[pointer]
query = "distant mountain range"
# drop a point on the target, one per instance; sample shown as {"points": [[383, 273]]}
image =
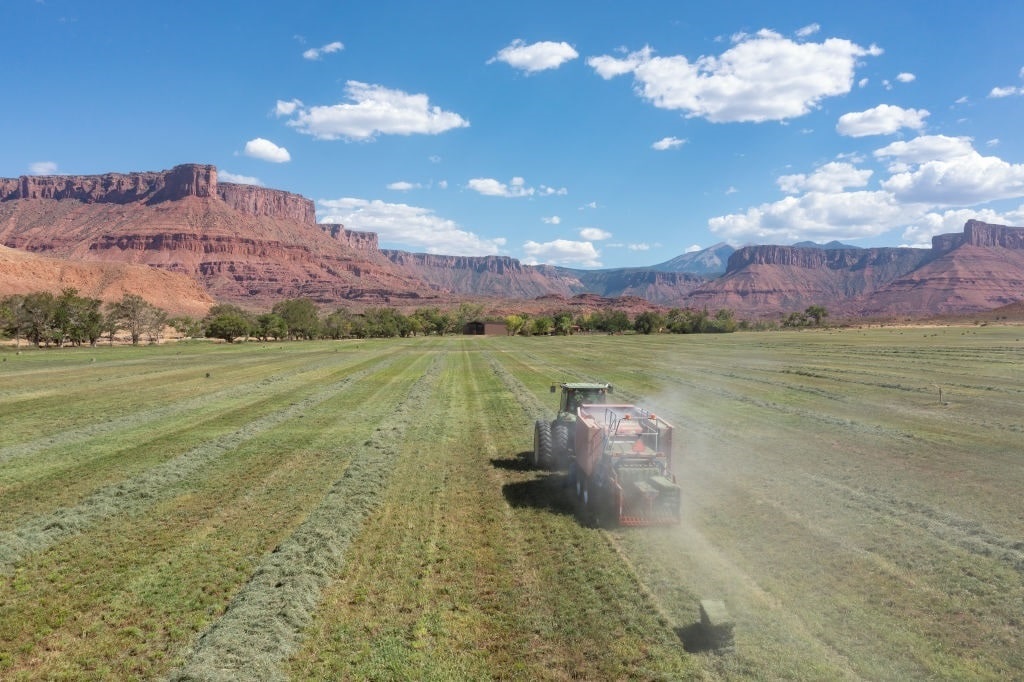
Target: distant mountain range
{"points": [[254, 246]]}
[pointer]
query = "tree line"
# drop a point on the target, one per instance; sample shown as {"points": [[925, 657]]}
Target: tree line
{"points": [[67, 318]]}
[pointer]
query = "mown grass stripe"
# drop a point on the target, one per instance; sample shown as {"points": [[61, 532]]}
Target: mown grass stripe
{"points": [[43, 531], [264, 623], [79, 433]]}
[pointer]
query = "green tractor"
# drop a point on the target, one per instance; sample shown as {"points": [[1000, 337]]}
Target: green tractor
{"points": [[553, 442]]}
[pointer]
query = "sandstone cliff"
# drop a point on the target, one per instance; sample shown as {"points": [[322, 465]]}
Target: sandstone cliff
{"points": [[246, 244]]}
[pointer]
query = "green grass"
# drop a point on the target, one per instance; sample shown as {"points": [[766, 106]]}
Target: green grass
{"points": [[362, 510]]}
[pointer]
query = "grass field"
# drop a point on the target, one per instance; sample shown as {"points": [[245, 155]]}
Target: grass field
{"points": [[364, 510]]}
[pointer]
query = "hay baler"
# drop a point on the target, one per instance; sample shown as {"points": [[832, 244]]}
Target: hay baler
{"points": [[622, 469]]}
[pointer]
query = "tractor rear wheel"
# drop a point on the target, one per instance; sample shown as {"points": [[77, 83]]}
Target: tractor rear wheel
{"points": [[541, 444], [560, 441]]}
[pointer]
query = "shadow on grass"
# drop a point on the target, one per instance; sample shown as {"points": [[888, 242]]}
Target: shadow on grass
{"points": [[518, 462], [548, 490], [694, 639]]}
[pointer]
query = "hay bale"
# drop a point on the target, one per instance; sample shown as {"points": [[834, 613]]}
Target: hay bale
{"points": [[717, 624]]}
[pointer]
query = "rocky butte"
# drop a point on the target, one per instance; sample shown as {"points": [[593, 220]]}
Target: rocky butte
{"points": [[246, 244]]}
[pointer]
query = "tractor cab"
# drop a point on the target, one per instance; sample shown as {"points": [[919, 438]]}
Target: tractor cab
{"points": [[574, 395]]}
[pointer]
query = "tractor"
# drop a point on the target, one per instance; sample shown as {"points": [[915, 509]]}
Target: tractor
{"points": [[618, 457], [553, 441]]}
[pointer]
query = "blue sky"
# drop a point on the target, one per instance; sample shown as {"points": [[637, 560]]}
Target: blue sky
{"points": [[585, 134]]}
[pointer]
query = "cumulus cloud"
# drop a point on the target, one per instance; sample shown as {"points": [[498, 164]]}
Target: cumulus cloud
{"points": [[403, 186], [265, 150], [515, 188], [228, 176], [920, 233], [831, 177], [906, 77], [668, 143], [552, 220], [884, 119], [42, 167], [315, 53], [409, 226], [287, 108], [374, 110], [1008, 91], [594, 234], [693, 248], [535, 56], [763, 77], [562, 252], [933, 182]]}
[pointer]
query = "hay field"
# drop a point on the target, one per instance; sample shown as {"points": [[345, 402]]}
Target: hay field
{"points": [[363, 510]]}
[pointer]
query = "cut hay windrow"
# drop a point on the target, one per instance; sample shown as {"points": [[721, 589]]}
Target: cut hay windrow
{"points": [[80, 433], [264, 623], [40, 532]]}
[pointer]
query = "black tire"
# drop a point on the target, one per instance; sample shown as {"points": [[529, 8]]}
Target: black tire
{"points": [[541, 444], [560, 441]]}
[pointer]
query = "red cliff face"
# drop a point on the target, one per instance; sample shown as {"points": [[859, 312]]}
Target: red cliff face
{"points": [[358, 241], [260, 201], [194, 180], [187, 180]]}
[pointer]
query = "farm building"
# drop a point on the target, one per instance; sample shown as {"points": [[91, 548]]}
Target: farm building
{"points": [[485, 329]]}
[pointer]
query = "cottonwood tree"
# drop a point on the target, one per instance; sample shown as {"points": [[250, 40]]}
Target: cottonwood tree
{"points": [[227, 322], [301, 317], [12, 317], [136, 316]]}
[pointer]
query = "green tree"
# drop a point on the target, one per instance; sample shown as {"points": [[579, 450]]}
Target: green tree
{"points": [[466, 313], [270, 326], [301, 316], [816, 314], [648, 322], [77, 319], [186, 325], [136, 316], [514, 324], [722, 322], [563, 323], [13, 319], [339, 324], [38, 312], [227, 322], [542, 325]]}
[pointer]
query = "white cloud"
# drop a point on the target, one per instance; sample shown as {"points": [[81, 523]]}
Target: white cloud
{"points": [[552, 220], [515, 188], [287, 108], [535, 56], [763, 77], [994, 142], [315, 53], [42, 167], [410, 226], [265, 150], [962, 181], [863, 83], [831, 177], [884, 119], [592, 204], [403, 186], [1009, 91], [442, 184], [693, 248], [731, 190], [594, 234], [817, 216], [929, 175], [668, 143], [639, 247], [927, 148], [374, 110], [906, 77], [562, 252], [920, 233], [228, 176], [808, 30]]}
